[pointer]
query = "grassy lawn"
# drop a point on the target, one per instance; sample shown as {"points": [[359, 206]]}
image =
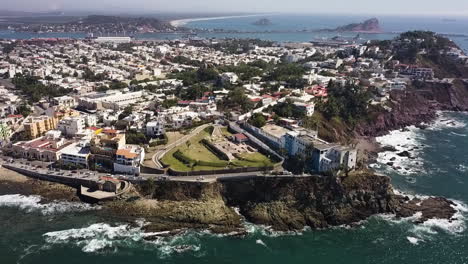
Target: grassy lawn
{"points": [[225, 132], [197, 151], [173, 136], [253, 160]]}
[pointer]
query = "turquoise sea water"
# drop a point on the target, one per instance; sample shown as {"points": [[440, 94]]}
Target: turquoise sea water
{"points": [[58, 233]]}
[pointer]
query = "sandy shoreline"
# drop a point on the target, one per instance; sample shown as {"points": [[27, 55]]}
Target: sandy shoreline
{"points": [[182, 22]]}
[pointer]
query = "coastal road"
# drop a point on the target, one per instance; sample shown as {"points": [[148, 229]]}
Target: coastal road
{"points": [[159, 154], [38, 167], [221, 177]]}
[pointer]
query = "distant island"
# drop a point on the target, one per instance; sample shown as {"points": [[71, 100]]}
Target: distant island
{"points": [[369, 26], [449, 20], [262, 22]]}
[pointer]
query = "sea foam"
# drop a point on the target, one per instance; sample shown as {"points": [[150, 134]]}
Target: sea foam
{"points": [[103, 237], [33, 203], [425, 231], [409, 140], [413, 240], [444, 121]]}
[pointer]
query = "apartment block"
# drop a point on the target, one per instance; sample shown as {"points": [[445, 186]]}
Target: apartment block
{"points": [[38, 126]]}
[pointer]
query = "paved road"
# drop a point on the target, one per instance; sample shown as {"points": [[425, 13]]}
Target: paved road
{"points": [[159, 154]]}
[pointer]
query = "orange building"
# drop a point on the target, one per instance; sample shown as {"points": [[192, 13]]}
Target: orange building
{"points": [[38, 126]]}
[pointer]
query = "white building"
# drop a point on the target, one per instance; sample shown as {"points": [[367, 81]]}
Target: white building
{"points": [[308, 108], [113, 39], [71, 126], [114, 100], [76, 154], [90, 120], [129, 159], [229, 77], [155, 128], [65, 101], [323, 156]]}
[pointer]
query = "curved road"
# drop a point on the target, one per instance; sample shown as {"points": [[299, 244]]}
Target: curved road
{"points": [[159, 154]]}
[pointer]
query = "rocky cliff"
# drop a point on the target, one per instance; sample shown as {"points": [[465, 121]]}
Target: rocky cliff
{"points": [[288, 203], [318, 202], [282, 203], [416, 106]]}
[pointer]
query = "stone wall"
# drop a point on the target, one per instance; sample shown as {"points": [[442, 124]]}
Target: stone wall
{"points": [[73, 182]]}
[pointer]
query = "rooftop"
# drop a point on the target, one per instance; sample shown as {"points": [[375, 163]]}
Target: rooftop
{"points": [[275, 130], [76, 149]]}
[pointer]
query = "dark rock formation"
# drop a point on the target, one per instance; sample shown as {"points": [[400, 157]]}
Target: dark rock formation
{"points": [[262, 22], [177, 205], [369, 26], [389, 148], [431, 208], [318, 202], [285, 203], [417, 106], [405, 154]]}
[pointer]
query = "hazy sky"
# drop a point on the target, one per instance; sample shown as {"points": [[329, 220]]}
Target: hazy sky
{"points": [[457, 7]]}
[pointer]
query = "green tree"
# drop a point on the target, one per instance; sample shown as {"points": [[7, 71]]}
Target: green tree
{"points": [[257, 120], [126, 112]]}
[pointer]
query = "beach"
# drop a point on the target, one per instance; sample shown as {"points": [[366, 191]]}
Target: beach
{"points": [[183, 22]]}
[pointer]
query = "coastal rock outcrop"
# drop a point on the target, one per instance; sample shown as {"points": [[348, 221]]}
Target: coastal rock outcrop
{"points": [[262, 22], [416, 106], [369, 26], [430, 208], [318, 202], [284, 203]]}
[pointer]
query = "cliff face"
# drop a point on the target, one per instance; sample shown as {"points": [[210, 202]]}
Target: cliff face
{"points": [[283, 203], [174, 205], [416, 106], [318, 202]]}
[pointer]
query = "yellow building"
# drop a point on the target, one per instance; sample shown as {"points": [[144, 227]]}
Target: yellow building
{"points": [[38, 126]]}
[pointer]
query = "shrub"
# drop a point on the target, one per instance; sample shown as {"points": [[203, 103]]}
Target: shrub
{"points": [[221, 155], [184, 159]]}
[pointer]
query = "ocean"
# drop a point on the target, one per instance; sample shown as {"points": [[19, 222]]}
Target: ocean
{"points": [[33, 232], [455, 27]]}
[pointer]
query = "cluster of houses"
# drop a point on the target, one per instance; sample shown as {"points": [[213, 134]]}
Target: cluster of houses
{"points": [[86, 128], [70, 138]]}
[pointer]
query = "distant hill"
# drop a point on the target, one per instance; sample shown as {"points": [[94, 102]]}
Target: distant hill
{"points": [[101, 19], [10, 13], [369, 26], [100, 24], [262, 22]]}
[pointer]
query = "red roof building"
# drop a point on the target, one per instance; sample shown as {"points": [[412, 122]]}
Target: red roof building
{"points": [[240, 138]]}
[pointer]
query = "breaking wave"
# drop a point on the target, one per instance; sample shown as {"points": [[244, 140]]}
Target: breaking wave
{"points": [[403, 141], [425, 231], [102, 237], [444, 121], [33, 204]]}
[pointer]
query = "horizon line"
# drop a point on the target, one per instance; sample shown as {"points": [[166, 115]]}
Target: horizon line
{"points": [[178, 12]]}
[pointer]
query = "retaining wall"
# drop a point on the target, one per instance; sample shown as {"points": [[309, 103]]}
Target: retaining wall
{"points": [[73, 182]]}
